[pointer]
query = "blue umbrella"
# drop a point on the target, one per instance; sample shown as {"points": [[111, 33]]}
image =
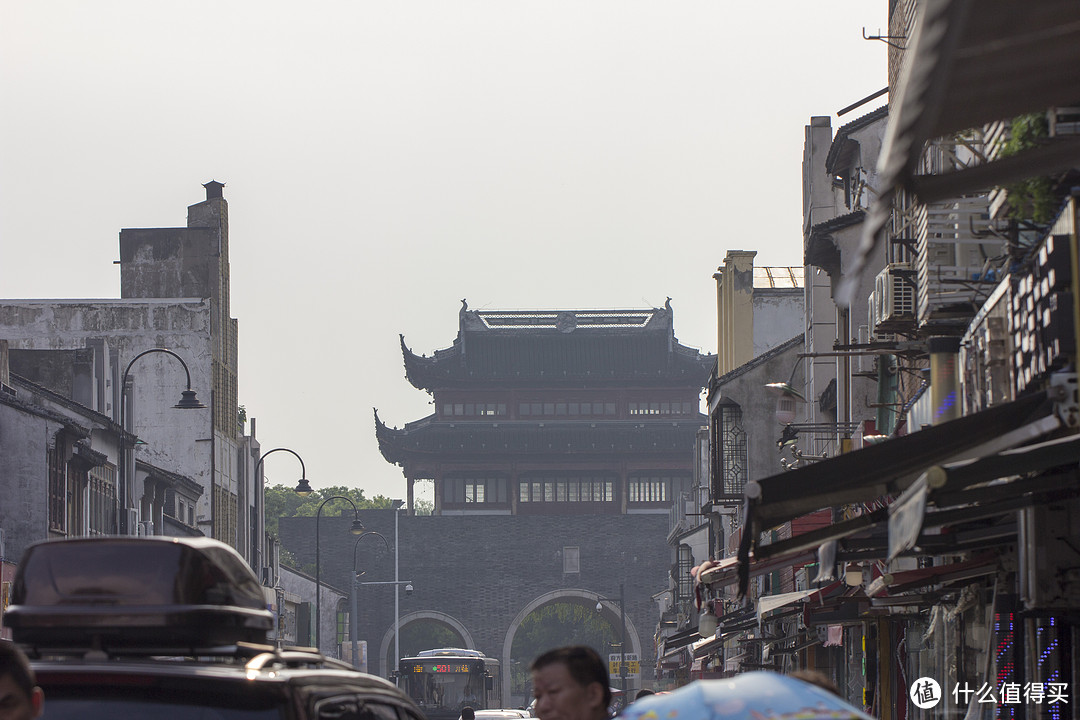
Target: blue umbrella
{"points": [[749, 696]]}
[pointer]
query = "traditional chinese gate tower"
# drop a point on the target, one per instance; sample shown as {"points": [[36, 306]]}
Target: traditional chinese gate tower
{"points": [[554, 412]]}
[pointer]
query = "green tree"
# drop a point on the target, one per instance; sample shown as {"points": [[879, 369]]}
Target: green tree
{"points": [[553, 626], [1031, 198], [282, 501]]}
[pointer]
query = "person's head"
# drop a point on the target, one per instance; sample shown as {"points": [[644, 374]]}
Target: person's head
{"points": [[571, 683], [20, 698], [642, 693], [467, 713], [816, 677]]}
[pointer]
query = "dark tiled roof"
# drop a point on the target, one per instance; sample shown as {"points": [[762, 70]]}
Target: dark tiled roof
{"points": [[840, 141], [429, 437], [820, 250], [716, 382], [573, 347]]}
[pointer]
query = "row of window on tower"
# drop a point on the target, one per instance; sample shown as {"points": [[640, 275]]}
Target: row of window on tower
{"points": [[567, 409], [582, 489]]}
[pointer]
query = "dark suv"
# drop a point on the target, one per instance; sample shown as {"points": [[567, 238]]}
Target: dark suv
{"points": [[164, 628]]}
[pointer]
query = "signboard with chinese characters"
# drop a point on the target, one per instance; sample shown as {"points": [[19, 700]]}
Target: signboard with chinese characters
{"points": [[633, 665]]}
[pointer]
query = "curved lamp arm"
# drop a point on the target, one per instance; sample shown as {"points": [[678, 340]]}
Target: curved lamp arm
{"points": [[356, 529], [303, 488], [357, 544], [188, 401]]}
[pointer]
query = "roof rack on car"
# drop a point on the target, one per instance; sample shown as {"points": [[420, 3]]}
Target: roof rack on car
{"points": [[136, 596]]}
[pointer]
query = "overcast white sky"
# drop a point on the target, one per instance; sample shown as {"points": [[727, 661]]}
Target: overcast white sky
{"points": [[384, 160]]}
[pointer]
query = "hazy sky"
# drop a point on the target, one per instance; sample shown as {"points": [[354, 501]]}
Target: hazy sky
{"points": [[384, 160]]}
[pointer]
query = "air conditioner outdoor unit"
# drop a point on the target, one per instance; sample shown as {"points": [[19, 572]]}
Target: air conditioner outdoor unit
{"points": [[895, 293]]}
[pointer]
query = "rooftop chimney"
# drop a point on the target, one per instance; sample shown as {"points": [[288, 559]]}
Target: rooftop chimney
{"points": [[213, 189]]}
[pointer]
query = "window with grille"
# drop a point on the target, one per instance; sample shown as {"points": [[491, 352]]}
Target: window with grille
{"points": [[566, 489], [685, 579], [475, 490], [649, 488], [727, 450], [101, 499], [57, 490]]}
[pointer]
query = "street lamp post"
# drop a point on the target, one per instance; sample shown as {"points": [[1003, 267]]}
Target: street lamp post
{"points": [[397, 584], [622, 641], [352, 591], [356, 529], [303, 489], [188, 401]]}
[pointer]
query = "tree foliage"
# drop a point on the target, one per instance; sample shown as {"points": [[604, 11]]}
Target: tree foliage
{"points": [[282, 501], [1031, 198], [556, 625]]}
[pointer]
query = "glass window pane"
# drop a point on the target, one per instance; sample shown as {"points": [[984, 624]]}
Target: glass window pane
{"points": [[560, 408], [573, 408], [537, 491], [523, 408], [609, 408], [523, 492], [549, 408]]}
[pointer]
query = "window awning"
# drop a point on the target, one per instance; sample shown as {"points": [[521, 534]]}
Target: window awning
{"points": [[967, 64]]}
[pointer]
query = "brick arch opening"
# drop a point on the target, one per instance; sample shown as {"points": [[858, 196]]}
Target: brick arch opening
{"points": [[388, 637], [609, 611]]}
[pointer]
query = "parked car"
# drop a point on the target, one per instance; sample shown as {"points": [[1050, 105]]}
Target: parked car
{"points": [[167, 628]]}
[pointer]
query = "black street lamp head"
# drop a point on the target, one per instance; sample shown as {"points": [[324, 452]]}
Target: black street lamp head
{"points": [[303, 488], [188, 401], [357, 527]]}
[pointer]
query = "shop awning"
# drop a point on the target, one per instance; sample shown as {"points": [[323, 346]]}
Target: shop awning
{"points": [[886, 469], [681, 639], [970, 63], [706, 647], [769, 603], [905, 580], [955, 485], [889, 467], [731, 570]]}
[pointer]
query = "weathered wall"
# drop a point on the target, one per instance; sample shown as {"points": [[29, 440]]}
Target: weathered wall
{"points": [[180, 443], [483, 571], [778, 317], [24, 481]]}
